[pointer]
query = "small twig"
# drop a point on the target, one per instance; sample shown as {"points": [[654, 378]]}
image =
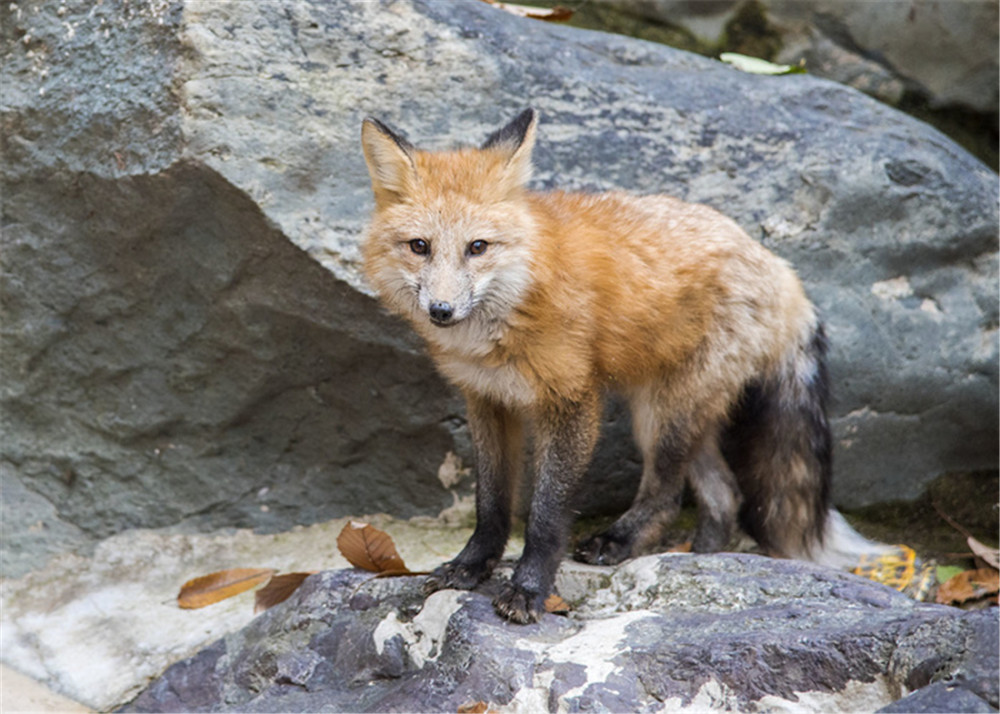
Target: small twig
{"points": [[950, 521]]}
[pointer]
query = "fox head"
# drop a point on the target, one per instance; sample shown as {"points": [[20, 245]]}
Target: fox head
{"points": [[449, 240]]}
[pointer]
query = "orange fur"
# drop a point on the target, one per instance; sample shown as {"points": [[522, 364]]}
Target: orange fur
{"points": [[621, 290]]}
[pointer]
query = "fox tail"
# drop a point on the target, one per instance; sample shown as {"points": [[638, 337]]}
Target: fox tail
{"points": [[779, 447]]}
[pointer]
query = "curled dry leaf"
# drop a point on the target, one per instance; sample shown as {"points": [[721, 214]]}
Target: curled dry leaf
{"points": [[556, 605], [990, 556], [368, 548], [479, 707], [755, 65], [551, 14], [212, 588], [278, 589], [969, 585]]}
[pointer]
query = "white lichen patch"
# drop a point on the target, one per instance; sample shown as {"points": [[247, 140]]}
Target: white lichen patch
{"points": [[894, 289], [451, 471], [594, 648], [422, 636], [855, 697]]}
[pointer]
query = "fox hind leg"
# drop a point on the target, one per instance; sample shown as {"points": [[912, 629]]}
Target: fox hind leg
{"points": [[667, 448], [718, 498]]}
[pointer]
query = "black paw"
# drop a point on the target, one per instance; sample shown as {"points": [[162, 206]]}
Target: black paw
{"points": [[519, 605], [603, 549], [712, 536], [458, 576]]}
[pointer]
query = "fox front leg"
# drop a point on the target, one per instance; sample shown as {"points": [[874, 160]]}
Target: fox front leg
{"points": [[497, 439], [566, 435]]}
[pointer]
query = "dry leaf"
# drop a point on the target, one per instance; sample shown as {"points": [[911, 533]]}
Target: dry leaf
{"points": [[368, 548], [212, 588], [553, 14], [681, 548], [969, 585], [990, 556], [556, 605], [278, 589], [401, 573], [479, 707]]}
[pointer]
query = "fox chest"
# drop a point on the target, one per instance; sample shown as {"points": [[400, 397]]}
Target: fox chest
{"points": [[503, 382]]}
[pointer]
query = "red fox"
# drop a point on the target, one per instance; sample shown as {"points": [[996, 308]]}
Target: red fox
{"points": [[536, 304]]}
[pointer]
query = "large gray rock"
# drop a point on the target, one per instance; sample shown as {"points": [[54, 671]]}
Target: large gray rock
{"points": [[187, 339], [726, 632], [946, 52]]}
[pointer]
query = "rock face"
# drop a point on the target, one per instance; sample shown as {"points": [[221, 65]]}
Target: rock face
{"points": [[186, 336], [657, 633], [946, 52]]}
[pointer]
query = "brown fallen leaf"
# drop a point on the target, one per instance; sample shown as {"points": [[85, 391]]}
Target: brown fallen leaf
{"points": [[212, 588], [556, 605], [479, 707], [278, 589], [990, 556], [681, 548], [969, 585], [401, 573], [553, 14], [368, 548]]}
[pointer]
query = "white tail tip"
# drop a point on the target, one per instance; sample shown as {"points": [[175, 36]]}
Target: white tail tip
{"points": [[843, 547]]}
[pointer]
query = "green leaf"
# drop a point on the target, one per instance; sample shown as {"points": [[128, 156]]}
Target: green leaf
{"points": [[754, 65], [947, 572]]}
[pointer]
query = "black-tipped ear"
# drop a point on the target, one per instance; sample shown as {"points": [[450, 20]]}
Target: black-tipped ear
{"points": [[393, 134], [515, 141], [390, 161], [513, 134]]}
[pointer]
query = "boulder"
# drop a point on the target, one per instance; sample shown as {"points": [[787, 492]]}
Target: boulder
{"points": [[668, 632], [187, 339], [945, 52]]}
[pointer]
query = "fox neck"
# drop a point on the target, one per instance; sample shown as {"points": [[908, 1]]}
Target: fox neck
{"points": [[475, 337]]}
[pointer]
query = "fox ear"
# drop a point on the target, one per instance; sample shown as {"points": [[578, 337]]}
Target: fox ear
{"points": [[515, 141], [390, 161]]}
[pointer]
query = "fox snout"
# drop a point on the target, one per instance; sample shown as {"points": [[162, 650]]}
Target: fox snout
{"points": [[443, 307], [445, 295], [441, 313]]}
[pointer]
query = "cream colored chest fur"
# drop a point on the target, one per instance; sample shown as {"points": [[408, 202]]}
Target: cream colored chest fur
{"points": [[504, 383]]}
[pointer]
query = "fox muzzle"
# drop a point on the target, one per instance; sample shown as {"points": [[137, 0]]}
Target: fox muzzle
{"points": [[441, 313]]}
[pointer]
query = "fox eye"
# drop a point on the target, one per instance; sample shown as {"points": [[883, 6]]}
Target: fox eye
{"points": [[420, 246], [477, 247]]}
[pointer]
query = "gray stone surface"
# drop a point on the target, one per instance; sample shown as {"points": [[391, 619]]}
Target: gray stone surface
{"points": [[98, 629], [186, 337], [669, 633], [938, 697], [945, 51]]}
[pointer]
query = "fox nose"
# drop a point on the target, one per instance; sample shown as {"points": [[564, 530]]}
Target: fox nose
{"points": [[441, 311]]}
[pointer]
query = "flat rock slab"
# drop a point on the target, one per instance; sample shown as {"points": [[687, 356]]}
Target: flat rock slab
{"points": [[99, 629], [664, 632]]}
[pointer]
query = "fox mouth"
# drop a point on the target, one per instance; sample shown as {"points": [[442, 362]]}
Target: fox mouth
{"points": [[451, 322]]}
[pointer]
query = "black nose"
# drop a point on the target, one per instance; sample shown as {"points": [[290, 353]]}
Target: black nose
{"points": [[441, 311]]}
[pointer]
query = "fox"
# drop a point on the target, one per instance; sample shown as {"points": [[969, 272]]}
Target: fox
{"points": [[537, 305]]}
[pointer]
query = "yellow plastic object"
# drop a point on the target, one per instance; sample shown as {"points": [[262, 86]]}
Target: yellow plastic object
{"points": [[900, 569]]}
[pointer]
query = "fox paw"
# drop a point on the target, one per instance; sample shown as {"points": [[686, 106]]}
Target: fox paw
{"points": [[603, 549], [458, 576], [519, 605]]}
